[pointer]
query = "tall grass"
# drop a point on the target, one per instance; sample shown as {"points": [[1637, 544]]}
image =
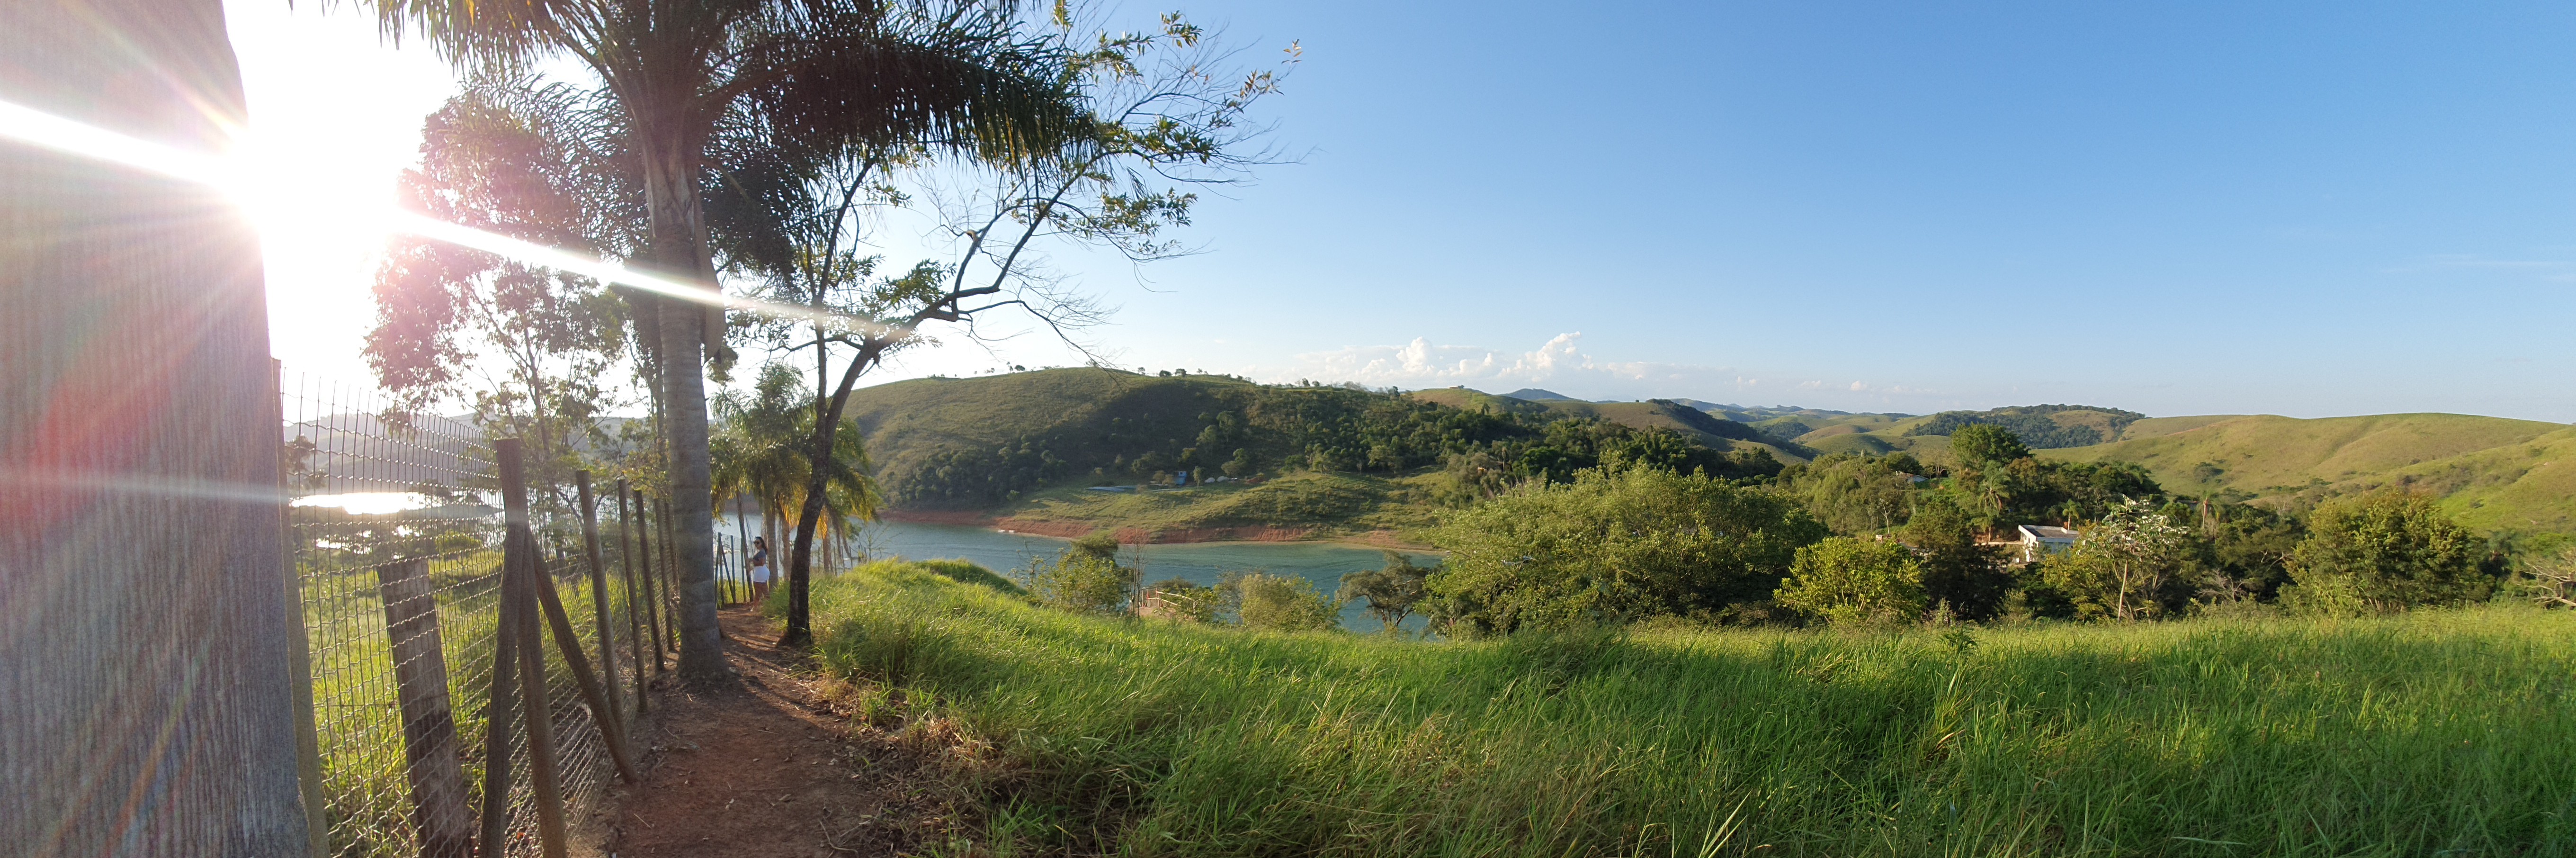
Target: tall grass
{"points": [[2435, 733]]}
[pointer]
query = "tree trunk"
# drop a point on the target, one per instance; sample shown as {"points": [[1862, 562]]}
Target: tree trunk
{"points": [[800, 627], [144, 590], [671, 152]]}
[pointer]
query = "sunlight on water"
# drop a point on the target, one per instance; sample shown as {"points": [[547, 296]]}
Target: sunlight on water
{"points": [[373, 503]]}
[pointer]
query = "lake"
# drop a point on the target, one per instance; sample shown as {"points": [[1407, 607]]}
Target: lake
{"points": [[1197, 562]]}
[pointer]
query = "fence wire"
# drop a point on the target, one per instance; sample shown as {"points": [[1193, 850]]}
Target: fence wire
{"points": [[403, 511]]}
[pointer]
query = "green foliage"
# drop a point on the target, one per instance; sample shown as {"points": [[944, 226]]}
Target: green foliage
{"points": [[1981, 445], [1085, 578], [2402, 736], [1844, 580], [1611, 547], [1179, 599], [1958, 572], [1390, 592], [1854, 494], [2034, 425], [2027, 490], [2387, 552], [1280, 603], [2127, 566]]}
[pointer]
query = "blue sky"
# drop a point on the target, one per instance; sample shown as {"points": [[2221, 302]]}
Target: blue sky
{"points": [[2304, 209]]}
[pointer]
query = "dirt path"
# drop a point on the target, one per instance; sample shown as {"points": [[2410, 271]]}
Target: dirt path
{"points": [[765, 769]]}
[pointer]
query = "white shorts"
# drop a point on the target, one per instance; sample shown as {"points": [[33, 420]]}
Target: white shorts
{"points": [[760, 574]]}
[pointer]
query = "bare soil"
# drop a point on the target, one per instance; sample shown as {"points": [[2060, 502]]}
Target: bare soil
{"points": [[765, 767]]}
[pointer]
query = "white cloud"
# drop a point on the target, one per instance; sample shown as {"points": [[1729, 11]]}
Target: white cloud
{"points": [[1562, 365]]}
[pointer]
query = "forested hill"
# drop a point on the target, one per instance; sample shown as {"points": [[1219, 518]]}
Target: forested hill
{"points": [[981, 442]]}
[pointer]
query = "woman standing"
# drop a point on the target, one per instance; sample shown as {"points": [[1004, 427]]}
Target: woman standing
{"points": [[759, 571]]}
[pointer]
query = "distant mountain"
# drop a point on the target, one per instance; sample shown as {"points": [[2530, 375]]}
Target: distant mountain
{"points": [[1532, 394]]}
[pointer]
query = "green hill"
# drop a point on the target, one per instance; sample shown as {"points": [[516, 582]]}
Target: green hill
{"points": [[1031, 445], [1716, 432], [2493, 472]]}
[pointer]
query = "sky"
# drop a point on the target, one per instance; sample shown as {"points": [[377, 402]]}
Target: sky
{"points": [[2310, 209]]}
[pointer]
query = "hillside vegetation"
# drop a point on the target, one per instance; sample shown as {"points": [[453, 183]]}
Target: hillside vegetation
{"points": [[2443, 732], [2493, 473], [1030, 445]]}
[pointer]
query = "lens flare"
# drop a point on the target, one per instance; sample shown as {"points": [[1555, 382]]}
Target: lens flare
{"points": [[273, 211]]}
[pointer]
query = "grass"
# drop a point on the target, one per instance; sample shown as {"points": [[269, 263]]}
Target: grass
{"points": [[2448, 732], [357, 702]]}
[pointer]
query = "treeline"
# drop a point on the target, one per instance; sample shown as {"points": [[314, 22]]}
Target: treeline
{"points": [[1848, 539], [2033, 424], [1166, 427]]}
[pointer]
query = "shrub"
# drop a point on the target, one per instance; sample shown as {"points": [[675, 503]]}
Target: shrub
{"points": [[1178, 599], [1959, 572], [1086, 578], [1611, 548], [1281, 603], [1390, 592], [1844, 580], [2127, 566], [2386, 552]]}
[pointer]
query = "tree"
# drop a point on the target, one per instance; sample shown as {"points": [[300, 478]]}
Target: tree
{"points": [[527, 348], [1281, 603], [1611, 547], [142, 546], [1084, 578], [1156, 116], [760, 451], [1984, 445], [1390, 591], [1958, 571], [1851, 494], [817, 77], [2385, 552], [2124, 566], [1844, 580]]}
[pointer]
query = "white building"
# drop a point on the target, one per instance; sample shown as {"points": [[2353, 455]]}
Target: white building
{"points": [[2040, 540]]}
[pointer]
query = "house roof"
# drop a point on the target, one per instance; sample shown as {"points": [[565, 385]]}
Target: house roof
{"points": [[2047, 533]]}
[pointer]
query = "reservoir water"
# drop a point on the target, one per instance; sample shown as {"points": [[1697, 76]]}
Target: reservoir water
{"points": [[1323, 563]]}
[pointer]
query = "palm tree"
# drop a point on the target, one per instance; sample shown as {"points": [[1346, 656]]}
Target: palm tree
{"points": [[821, 75], [761, 451]]}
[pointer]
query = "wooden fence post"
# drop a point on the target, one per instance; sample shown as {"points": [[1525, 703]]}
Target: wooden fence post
{"points": [[520, 556], [429, 724], [652, 596], [497, 715], [599, 604], [634, 623], [582, 678], [670, 571]]}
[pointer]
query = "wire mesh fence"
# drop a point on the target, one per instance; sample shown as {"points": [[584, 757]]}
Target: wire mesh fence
{"points": [[402, 539]]}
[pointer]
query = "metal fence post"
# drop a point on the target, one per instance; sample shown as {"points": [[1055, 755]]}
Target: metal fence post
{"points": [[429, 725]]}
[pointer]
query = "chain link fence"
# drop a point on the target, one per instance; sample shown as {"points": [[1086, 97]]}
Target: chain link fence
{"points": [[402, 543]]}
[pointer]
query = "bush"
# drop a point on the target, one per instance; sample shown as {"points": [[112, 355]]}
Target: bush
{"points": [[1611, 548], [2386, 552], [1178, 599], [2127, 566], [1086, 578], [1844, 580], [1281, 603]]}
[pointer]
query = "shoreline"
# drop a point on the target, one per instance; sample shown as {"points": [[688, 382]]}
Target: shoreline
{"points": [[1057, 529]]}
